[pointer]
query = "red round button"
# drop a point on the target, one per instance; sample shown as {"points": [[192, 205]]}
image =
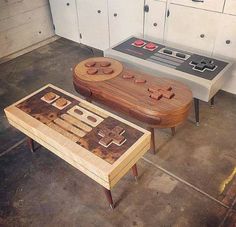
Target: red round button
{"points": [[139, 42], [150, 46]]}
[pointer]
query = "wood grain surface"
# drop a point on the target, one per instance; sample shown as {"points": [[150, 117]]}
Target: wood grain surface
{"points": [[124, 94]]}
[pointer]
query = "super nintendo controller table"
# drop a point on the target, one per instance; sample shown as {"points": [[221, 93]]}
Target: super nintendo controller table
{"points": [[204, 75], [157, 102], [99, 144]]}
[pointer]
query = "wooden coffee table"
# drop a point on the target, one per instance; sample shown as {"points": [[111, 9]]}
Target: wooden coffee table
{"points": [[100, 144], [157, 102]]}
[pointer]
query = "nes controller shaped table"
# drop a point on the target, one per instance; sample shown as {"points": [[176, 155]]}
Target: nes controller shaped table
{"points": [[99, 144], [204, 75]]}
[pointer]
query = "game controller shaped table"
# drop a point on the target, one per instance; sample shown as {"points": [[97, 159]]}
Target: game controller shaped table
{"points": [[99, 144], [158, 102]]}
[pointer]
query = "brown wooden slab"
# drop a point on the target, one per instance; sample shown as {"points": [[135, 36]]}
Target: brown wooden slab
{"points": [[128, 93]]}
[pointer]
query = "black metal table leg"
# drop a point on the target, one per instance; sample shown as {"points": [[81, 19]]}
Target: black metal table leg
{"points": [[135, 172], [30, 143], [212, 101], [109, 197], [196, 108]]}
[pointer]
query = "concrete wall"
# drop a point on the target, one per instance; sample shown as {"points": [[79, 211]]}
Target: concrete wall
{"points": [[23, 23]]}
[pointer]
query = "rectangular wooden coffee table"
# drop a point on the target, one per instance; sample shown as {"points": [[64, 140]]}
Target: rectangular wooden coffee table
{"points": [[100, 144]]}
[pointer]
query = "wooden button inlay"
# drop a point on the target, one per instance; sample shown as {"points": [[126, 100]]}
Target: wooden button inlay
{"points": [[128, 76], [105, 64], [92, 71], [61, 102], [90, 64], [140, 81], [108, 71], [49, 96], [78, 111], [90, 118]]}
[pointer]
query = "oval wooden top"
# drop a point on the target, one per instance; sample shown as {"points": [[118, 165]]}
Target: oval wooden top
{"points": [[98, 69], [159, 102]]}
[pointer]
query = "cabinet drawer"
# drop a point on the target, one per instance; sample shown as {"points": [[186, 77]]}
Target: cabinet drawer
{"points": [[213, 5], [93, 23], [190, 27], [125, 19], [64, 17], [225, 45], [155, 19], [230, 7]]}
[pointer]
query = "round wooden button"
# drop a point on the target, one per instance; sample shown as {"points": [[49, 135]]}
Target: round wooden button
{"points": [[90, 64], [61, 102], [105, 63], [92, 71], [49, 96], [108, 71]]}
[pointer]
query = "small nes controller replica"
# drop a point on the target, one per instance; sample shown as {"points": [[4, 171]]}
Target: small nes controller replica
{"points": [[204, 75]]}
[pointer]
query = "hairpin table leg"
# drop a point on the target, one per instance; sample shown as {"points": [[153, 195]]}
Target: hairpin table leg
{"points": [[30, 143], [109, 198], [135, 171], [173, 131]]}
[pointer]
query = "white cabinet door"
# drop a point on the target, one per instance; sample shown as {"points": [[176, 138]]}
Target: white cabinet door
{"points": [[192, 27], [93, 23], [225, 45], [230, 7], [155, 19], [213, 5], [125, 19], [64, 17]]}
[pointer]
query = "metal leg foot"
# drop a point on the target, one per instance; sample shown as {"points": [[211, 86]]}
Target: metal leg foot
{"points": [[135, 172], [109, 198], [196, 108], [30, 143]]}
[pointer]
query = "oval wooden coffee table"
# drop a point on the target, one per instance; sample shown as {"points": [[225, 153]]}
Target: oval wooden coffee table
{"points": [[157, 102]]}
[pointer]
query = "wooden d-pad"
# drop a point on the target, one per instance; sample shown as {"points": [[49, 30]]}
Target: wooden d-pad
{"points": [[112, 136], [161, 92], [98, 69]]}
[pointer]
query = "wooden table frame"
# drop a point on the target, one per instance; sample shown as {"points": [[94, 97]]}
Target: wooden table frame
{"points": [[104, 173]]}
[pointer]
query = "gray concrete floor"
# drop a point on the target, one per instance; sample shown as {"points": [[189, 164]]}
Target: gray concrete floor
{"points": [[190, 182]]}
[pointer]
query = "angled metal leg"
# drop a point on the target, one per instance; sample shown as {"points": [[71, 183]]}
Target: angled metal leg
{"points": [[212, 102], [153, 146], [173, 131], [196, 108], [30, 143], [109, 197], [135, 171]]}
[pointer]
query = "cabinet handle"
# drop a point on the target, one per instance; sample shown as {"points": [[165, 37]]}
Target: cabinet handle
{"points": [[115, 14], [202, 36], [228, 41], [99, 11], [155, 24], [198, 1], [67, 3]]}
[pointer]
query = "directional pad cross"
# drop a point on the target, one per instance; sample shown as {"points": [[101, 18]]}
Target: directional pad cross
{"points": [[112, 136], [161, 92]]}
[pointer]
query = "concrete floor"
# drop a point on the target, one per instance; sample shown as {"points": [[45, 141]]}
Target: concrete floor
{"points": [[190, 182]]}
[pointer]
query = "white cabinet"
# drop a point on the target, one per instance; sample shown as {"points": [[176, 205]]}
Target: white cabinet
{"points": [[93, 23], [125, 19], [225, 45], [230, 7], [155, 19], [212, 5], [192, 27], [65, 19]]}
